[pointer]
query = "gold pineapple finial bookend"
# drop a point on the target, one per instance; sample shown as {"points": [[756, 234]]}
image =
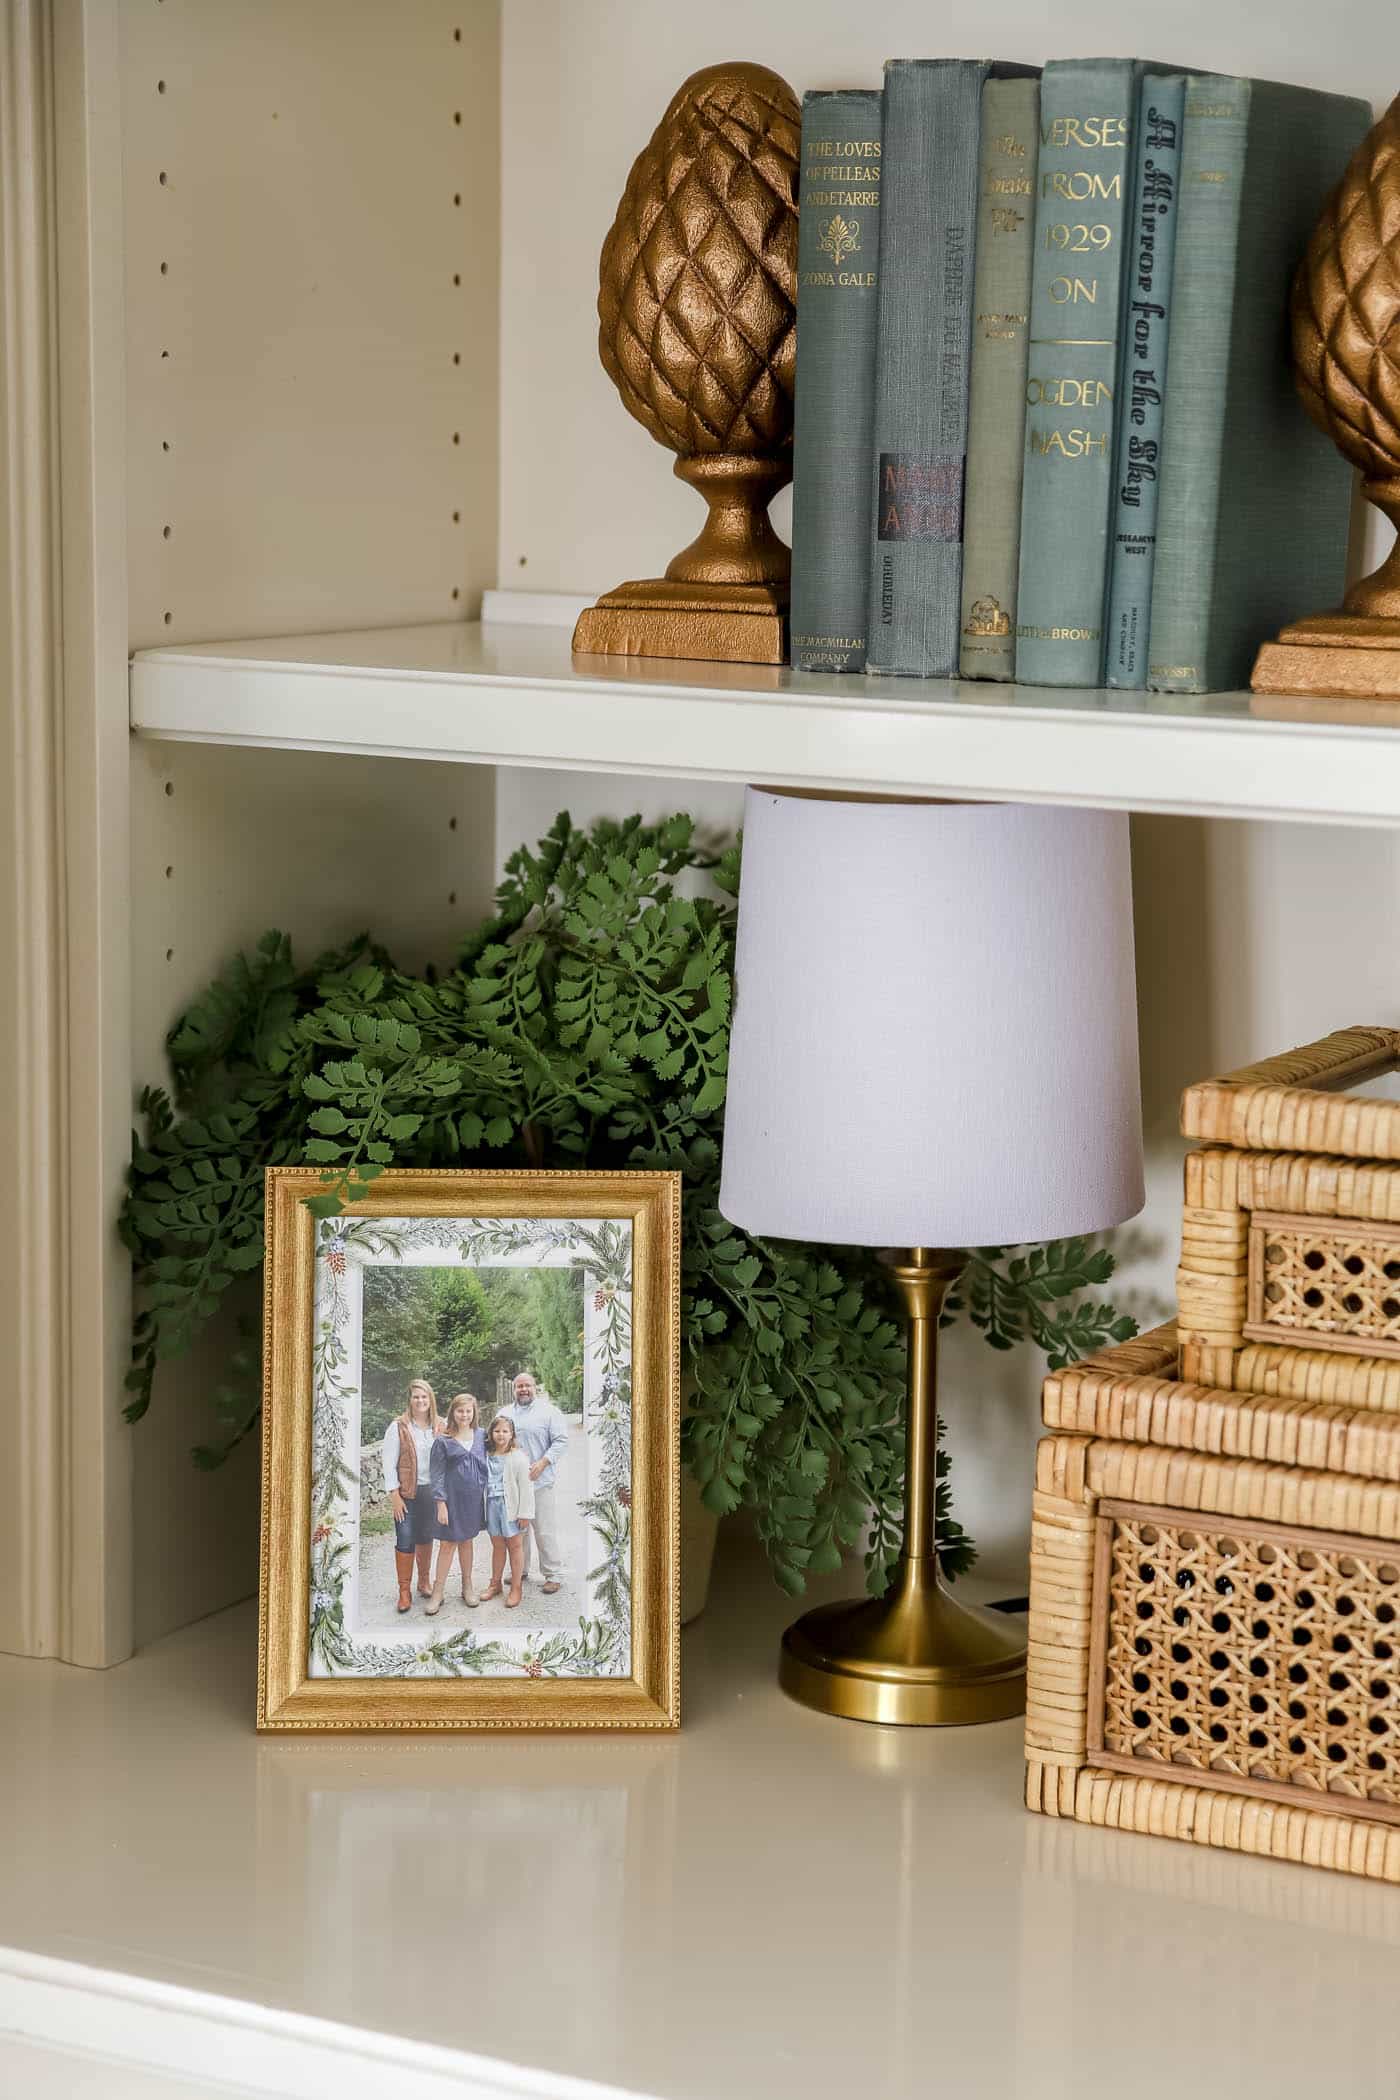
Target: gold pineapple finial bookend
{"points": [[1346, 346], [698, 332]]}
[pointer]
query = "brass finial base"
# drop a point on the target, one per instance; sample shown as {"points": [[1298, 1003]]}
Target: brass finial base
{"points": [[1337, 656], [915, 1656]]}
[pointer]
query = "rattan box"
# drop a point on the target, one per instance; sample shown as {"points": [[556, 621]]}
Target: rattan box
{"points": [[1215, 1562], [1290, 1242]]}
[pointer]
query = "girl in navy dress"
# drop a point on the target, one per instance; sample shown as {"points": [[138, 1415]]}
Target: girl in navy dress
{"points": [[458, 1474]]}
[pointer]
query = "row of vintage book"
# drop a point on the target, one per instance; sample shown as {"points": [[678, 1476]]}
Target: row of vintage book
{"points": [[1046, 428]]}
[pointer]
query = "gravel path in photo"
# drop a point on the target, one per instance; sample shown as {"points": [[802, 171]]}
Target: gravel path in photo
{"points": [[378, 1618]]}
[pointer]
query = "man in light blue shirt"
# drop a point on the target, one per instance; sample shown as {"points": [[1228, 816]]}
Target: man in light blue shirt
{"points": [[543, 1436]]}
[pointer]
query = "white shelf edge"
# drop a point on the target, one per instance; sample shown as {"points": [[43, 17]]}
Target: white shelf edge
{"points": [[238, 2046], [511, 695]]}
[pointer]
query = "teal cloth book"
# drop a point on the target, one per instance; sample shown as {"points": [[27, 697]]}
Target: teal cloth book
{"points": [[838, 249], [1086, 124], [1255, 502], [1142, 378], [1001, 296], [927, 229]]}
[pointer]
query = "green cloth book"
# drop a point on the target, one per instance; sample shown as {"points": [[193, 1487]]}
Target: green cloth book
{"points": [[838, 250], [1001, 296], [1142, 378], [1255, 502], [1086, 124], [928, 225]]}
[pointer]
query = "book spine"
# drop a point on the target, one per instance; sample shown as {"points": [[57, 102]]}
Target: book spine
{"points": [[838, 248], [1203, 310], [997, 385], [1142, 379], [1086, 112], [932, 110]]}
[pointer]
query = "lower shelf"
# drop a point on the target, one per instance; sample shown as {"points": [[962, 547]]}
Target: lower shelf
{"points": [[770, 1904]]}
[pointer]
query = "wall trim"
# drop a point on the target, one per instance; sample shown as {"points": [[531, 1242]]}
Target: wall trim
{"points": [[65, 1556]]}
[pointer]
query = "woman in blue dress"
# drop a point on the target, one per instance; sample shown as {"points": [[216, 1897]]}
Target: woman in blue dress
{"points": [[458, 1476]]}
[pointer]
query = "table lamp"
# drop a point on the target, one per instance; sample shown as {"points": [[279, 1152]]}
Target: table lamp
{"points": [[934, 1047]]}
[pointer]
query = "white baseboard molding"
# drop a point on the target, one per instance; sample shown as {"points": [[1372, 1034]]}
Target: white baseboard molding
{"points": [[533, 608], [228, 2046]]}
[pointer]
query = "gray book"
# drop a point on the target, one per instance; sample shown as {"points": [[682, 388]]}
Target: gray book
{"points": [[838, 248], [1255, 502], [1086, 123], [928, 220], [997, 387]]}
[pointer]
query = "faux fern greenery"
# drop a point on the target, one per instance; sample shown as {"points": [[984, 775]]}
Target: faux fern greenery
{"points": [[586, 1023]]}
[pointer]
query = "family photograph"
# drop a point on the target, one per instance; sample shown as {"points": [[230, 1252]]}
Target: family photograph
{"points": [[473, 1435]]}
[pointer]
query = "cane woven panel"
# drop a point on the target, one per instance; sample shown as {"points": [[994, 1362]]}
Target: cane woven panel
{"points": [[1267, 1660], [1335, 1281]]}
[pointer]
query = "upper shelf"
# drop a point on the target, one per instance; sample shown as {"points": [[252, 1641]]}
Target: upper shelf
{"points": [[513, 695]]}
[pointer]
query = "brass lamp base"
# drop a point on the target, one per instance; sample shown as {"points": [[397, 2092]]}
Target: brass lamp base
{"points": [[916, 1657]]}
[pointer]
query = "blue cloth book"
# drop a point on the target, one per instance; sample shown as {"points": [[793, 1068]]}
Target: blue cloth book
{"points": [[838, 251], [932, 125], [1087, 108], [1142, 378]]}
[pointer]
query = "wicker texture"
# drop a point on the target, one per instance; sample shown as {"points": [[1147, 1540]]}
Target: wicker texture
{"points": [[1317, 1279], [1208, 1467], [1253, 1656], [698, 278], [1346, 308], [1285, 1104]]}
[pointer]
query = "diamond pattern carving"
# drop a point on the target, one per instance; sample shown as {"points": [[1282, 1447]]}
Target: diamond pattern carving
{"points": [[698, 280], [1346, 308]]}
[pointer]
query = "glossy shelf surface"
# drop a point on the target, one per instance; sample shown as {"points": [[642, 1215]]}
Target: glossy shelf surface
{"points": [[513, 695], [770, 1904]]}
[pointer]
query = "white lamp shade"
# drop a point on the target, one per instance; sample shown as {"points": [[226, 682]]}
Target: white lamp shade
{"points": [[935, 1029]]}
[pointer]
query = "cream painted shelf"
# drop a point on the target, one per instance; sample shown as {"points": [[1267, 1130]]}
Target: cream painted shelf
{"points": [[512, 695], [771, 1903]]}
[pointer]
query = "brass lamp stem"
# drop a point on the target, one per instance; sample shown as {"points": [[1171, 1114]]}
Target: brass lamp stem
{"points": [[922, 1278], [915, 1655]]}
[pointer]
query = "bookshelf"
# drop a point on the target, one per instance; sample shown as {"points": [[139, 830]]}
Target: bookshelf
{"points": [[306, 295]]}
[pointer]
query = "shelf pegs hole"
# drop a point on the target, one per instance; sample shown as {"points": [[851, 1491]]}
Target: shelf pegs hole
{"points": [[456, 517], [456, 36], [169, 872], [164, 179], [456, 277], [167, 618], [456, 437], [456, 593], [165, 444], [523, 559], [165, 532], [160, 87], [452, 823], [165, 269], [169, 787], [170, 955], [456, 116], [164, 355], [452, 896]]}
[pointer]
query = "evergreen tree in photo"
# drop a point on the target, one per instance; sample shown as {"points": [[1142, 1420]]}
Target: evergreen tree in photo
{"points": [[556, 1344]]}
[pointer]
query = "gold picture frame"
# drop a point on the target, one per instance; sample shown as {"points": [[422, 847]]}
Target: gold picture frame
{"points": [[314, 1671]]}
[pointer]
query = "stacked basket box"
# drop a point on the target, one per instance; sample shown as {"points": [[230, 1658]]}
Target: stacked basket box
{"points": [[1215, 1566]]}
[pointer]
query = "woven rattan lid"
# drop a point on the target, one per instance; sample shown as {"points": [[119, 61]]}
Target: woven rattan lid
{"points": [[1299, 1102]]}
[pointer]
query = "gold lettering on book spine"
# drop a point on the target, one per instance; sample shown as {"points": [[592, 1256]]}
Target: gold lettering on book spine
{"points": [[1346, 348]]}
